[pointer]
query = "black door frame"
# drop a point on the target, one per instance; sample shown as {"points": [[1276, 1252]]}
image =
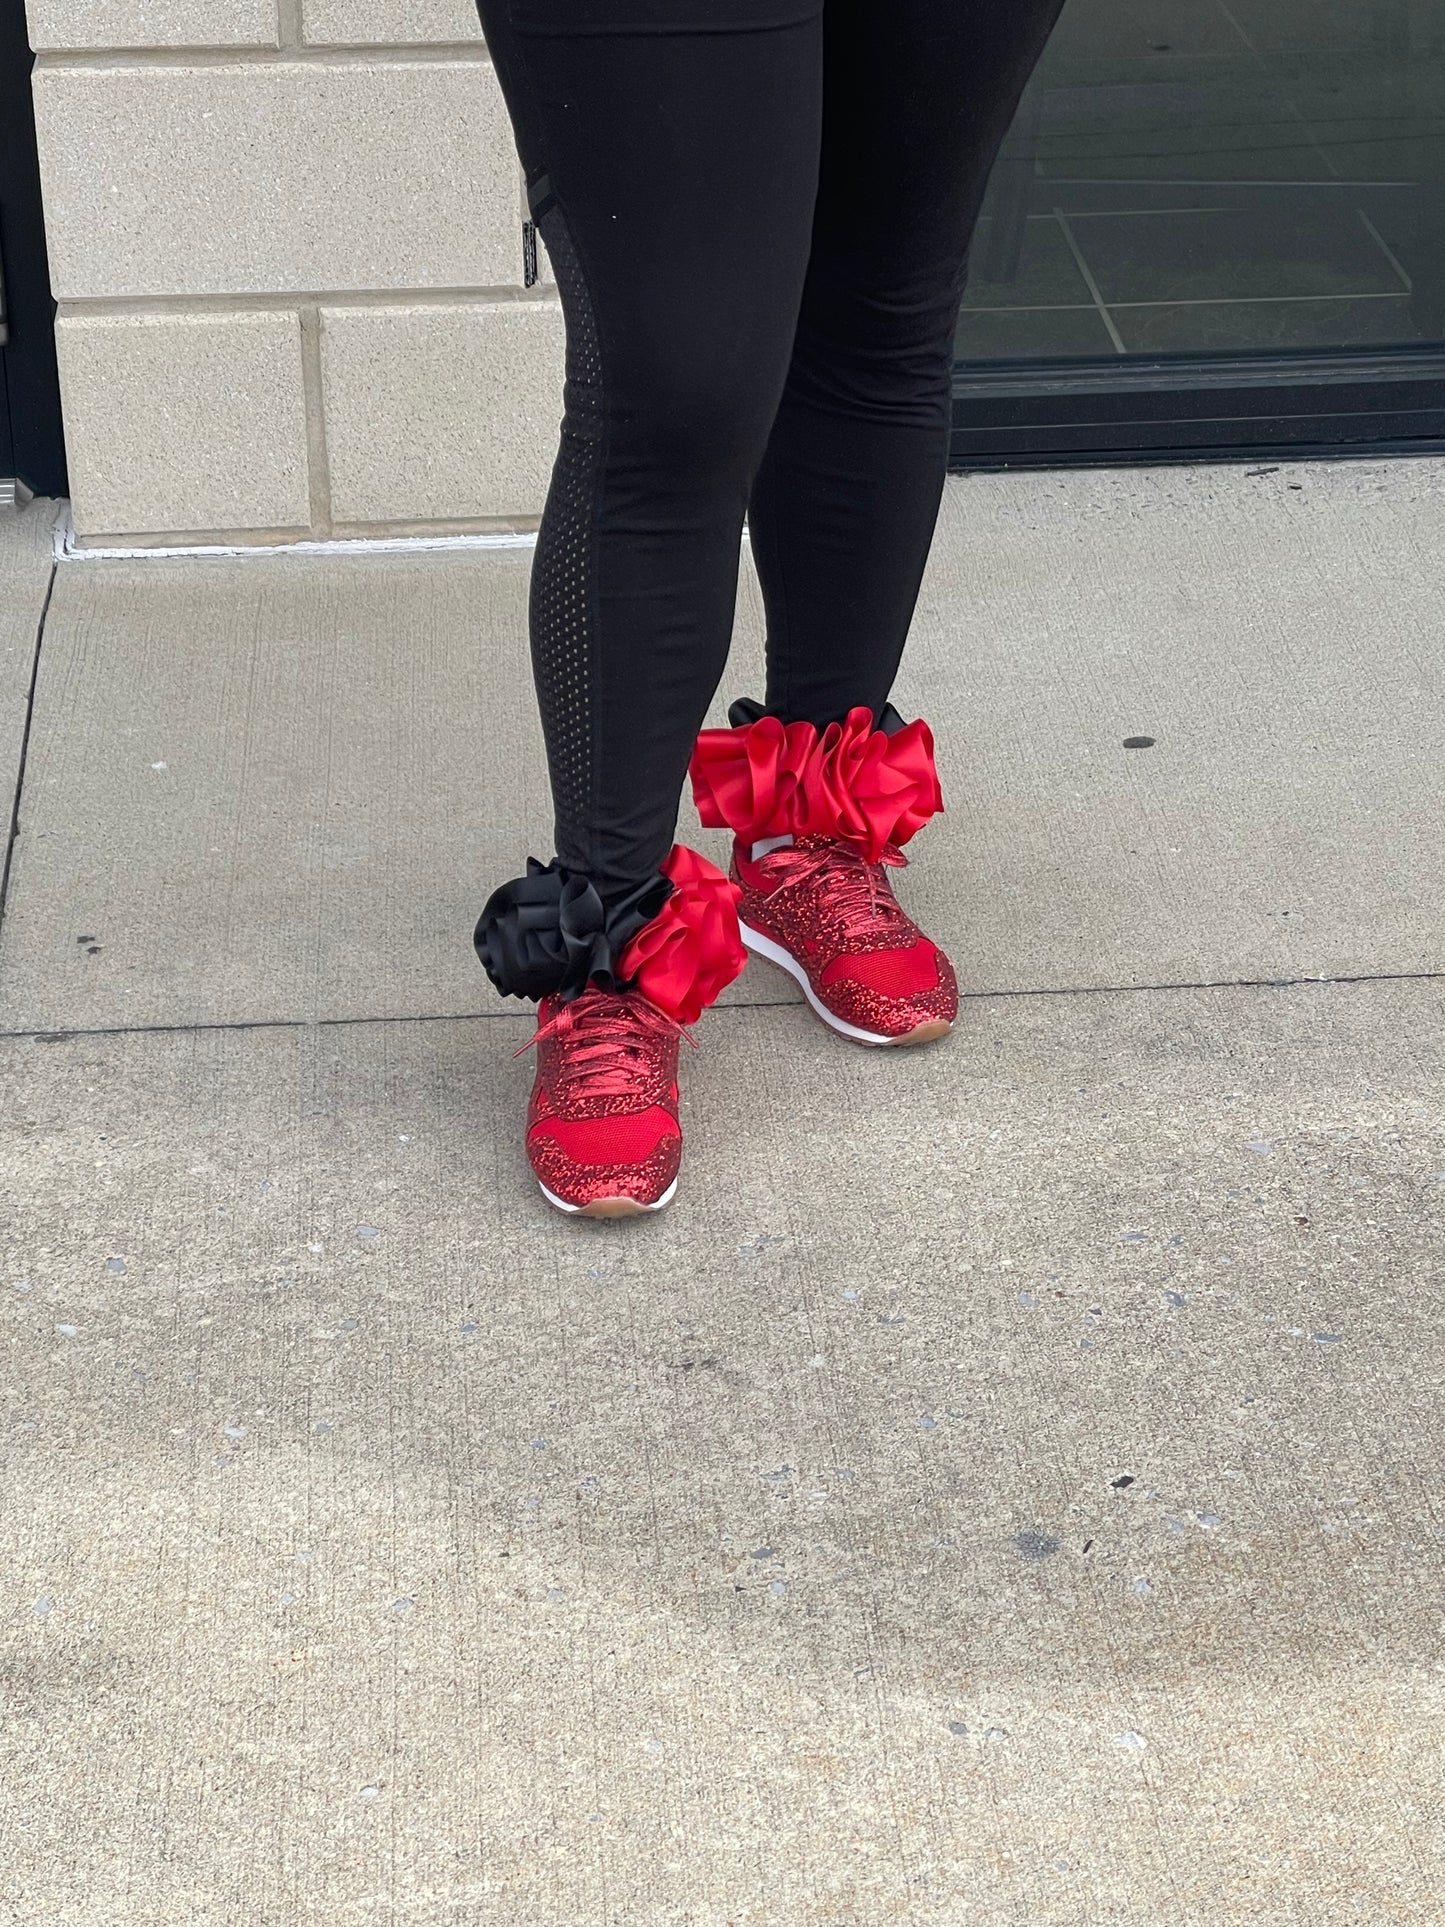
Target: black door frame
{"points": [[32, 442], [1217, 407]]}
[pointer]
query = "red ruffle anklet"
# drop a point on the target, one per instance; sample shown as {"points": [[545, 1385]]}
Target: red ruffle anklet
{"points": [[675, 938], [851, 781], [691, 950]]}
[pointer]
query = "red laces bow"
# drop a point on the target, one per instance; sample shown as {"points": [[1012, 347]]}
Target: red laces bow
{"points": [[851, 887], [614, 1039]]}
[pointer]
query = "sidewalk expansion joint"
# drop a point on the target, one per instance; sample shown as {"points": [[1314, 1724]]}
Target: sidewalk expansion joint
{"points": [[721, 1010]]}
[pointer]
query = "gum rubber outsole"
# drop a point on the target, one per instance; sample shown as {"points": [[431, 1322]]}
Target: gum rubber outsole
{"points": [[773, 952], [609, 1207]]}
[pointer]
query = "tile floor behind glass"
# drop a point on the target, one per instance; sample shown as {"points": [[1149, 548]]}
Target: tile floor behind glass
{"points": [[1207, 176]]}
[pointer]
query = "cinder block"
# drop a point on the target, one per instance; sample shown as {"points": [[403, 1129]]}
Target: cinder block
{"points": [[184, 422], [389, 22], [441, 412], [151, 23], [278, 177]]}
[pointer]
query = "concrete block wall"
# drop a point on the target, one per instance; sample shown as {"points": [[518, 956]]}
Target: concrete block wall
{"points": [[285, 236]]}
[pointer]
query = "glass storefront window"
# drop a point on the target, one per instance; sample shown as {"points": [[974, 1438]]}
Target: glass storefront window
{"points": [[1204, 178]]}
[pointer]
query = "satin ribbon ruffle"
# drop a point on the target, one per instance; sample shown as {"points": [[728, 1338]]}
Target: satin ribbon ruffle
{"points": [[852, 781]]}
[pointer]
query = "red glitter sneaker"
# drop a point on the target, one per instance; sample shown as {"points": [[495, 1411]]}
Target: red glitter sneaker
{"points": [[602, 1130], [830, 809], [821, 911]]}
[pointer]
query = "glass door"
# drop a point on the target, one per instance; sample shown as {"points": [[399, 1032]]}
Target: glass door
{"points": [[31, 443], [1215, 224]]}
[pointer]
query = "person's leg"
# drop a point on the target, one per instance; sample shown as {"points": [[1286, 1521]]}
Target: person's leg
{"points": [[671, 148], [918, 94], [824, 783]]}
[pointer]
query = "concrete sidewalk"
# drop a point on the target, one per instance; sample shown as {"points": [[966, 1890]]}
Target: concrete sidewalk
{"points": [[1002, 1490]]}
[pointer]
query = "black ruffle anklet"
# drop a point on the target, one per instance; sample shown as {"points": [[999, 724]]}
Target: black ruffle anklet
{"points": [[746, 711], [549, 933]]}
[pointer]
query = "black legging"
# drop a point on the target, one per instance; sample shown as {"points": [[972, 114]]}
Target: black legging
{"points": [[758, 212]]}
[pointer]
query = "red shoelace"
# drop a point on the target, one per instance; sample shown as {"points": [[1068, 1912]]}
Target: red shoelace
{"points": [[848, 886], [612, 1041]]}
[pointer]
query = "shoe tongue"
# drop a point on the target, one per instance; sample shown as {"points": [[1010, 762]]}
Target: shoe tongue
{"points": [[765, 845]]}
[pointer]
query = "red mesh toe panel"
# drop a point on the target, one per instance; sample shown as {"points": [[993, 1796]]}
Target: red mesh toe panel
{"points": [[628, 1139], [892, 973]]}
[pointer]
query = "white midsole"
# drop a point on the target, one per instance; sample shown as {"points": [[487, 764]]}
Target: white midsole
{"points": [[577, 1209], [785, 960]]}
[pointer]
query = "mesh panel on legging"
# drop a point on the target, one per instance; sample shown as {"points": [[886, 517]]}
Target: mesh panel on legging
{"points": [[563, 621], [710, 157]]}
